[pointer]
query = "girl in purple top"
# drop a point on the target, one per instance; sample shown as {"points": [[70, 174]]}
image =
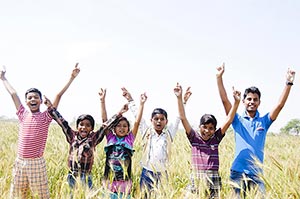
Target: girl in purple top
{"points": [[205, 155], [119, 151]]}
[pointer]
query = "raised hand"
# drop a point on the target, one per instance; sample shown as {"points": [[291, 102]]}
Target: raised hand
{"points": [[178, 90], [236, 94], [143, 98], [187, 95], [124, 109], [75, 71], [220, 70], [47, 102], [290, 75], [3, 71], [126, 94], [102, 94]]}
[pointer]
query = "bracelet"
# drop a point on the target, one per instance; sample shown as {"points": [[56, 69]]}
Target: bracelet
{"points": [[290, 83]]}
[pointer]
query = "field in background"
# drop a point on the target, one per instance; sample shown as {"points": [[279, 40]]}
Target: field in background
{"points": [[282, 165]]}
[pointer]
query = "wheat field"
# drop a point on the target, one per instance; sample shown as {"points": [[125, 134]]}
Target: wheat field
{"points": [[281, 167]]}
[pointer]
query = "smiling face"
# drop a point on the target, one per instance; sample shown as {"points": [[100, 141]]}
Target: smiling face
{"points": [[84, 128], [207, 131], [122, 128], [33, 101], [251, 102]]}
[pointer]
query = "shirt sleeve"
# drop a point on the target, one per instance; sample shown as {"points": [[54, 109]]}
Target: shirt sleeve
{"points": [[62, 123], [174, 127]]}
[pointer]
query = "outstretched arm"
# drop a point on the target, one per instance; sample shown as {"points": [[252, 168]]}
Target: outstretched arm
{"points": [[232, 111], [185, 122], [222, 92], [138, 118], [10, 89], [131, 104], [290, 76], [102, 94], [59, 119], [74, 74]]}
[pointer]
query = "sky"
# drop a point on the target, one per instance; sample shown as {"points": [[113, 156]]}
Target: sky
{"points": [[149, 46]]}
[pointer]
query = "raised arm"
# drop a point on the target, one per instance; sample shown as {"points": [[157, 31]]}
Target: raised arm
{"points": [[74, 74], [59, 119], [10, 89], [232, 111], [138, 118], [185, 122], [132, 106], [290, 76], [222, 92], [174, 127], [102, 94]]}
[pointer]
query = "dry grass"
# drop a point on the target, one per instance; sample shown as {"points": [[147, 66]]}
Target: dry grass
{"points": [[282, 165]]}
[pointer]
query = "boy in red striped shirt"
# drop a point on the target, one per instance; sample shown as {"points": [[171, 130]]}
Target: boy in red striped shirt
{"points": [[29, 172]]}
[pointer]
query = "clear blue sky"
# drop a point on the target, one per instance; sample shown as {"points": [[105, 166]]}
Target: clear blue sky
{"points": [[148, 46]]}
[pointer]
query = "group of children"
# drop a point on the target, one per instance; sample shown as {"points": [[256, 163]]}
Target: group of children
{"points": [[29, 172]]}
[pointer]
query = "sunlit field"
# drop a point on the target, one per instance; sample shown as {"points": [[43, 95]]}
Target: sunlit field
{"points": [[282, 166]]}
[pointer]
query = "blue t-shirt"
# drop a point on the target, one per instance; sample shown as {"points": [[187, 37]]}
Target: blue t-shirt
{"points": [[250, 135]]}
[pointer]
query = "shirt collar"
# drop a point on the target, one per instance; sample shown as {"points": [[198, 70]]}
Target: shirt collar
{"points": [[247, 116]]}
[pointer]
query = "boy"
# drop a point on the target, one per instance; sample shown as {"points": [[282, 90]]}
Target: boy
{"points": [[157, 145], [205, 153], [29, 172], [250, 129]]}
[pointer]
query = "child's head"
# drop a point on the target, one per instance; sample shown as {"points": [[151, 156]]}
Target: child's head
{"points": [[159, 119], [33, 99], [208, 125], [251, 99], [85, 124], [122, 127]]}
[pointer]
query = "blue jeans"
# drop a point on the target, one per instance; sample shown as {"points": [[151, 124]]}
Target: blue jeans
{"points": [[246, 182], [149, 181], [84, 178]]}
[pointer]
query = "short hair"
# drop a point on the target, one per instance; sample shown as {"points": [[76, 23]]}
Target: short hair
{"points": [[159, 111], [252, 89], [85, 117], [207, 119], [33, 90]]}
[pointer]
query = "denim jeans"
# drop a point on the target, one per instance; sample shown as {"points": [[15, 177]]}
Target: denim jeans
{"points": [[246, 182], [84, 178]]}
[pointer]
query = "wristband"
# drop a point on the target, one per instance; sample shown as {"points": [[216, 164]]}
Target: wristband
{"points": [[290, 83]]}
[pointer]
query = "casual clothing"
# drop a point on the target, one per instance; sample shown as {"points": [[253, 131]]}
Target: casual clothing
{"points": [[30, 172], [205, 154], [250, 135], [118, 164], [30, 169], [81, 151], [205, 161], [156, 150], [246, 182]]}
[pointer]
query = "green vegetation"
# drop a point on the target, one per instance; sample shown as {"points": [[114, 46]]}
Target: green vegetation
{"points": [[282, 165]]}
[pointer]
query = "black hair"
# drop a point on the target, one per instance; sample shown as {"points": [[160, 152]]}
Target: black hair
{"points": [[159, 111], [252, 89], [33, 90], [122, 119], [207, 119], [85, 117]]}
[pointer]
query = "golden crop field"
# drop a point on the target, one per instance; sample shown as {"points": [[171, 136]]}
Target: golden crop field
{"points": [[281, 167]]}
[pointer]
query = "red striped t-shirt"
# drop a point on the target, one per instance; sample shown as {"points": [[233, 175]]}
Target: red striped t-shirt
{"points": [[33, 132]]}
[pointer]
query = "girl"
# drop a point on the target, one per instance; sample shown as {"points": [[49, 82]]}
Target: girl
{"points": [[119, 151]]}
